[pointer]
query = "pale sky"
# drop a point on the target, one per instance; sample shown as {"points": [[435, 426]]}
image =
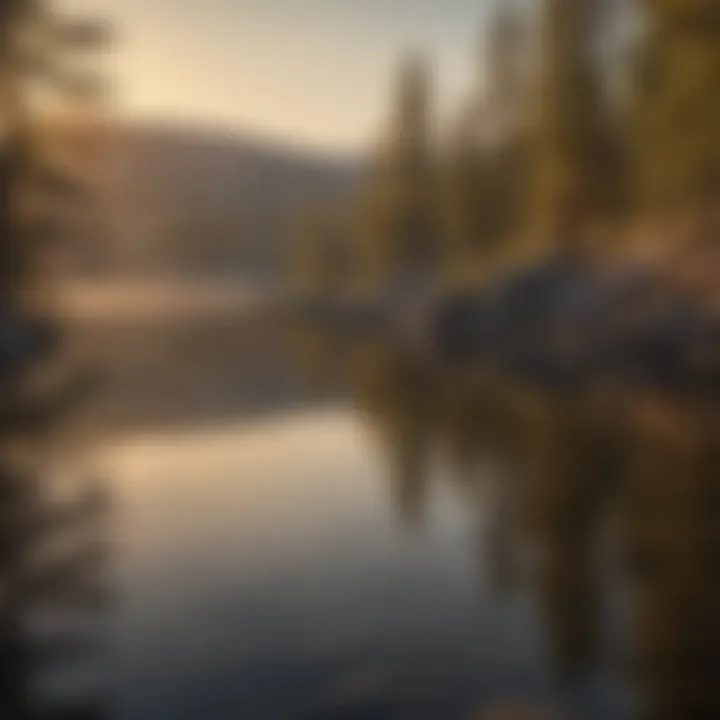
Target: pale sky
{"points": [[313, 73]]}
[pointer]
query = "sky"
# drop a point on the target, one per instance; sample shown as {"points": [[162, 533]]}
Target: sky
{"points": [[311, 73]]}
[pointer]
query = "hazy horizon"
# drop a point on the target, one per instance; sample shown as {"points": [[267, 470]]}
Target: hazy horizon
{"points": [[317, 77]]}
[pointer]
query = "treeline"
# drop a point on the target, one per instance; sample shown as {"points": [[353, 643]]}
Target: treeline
{"points": [[591, 135]]}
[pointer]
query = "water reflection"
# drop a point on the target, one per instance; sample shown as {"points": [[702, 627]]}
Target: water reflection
{"points": [[408, 540], [605, 510], [54, 588]]}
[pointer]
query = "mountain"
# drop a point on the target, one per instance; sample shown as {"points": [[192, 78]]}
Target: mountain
{"points": [[181, 203]]}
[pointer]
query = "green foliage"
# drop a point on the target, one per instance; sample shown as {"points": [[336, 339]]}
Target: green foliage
{"points": [[37, 574], [37, 48], [677, 105], [398, 207], [570, 133], [583, 127], [485, 183]]}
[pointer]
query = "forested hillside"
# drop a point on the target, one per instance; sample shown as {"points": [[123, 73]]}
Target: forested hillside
{"points": [[179, 203]]}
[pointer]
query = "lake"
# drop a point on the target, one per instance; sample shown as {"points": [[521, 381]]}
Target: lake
{"points": [[308, 527]]}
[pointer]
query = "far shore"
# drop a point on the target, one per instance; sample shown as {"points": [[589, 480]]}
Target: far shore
{"points": [[150, 299]]}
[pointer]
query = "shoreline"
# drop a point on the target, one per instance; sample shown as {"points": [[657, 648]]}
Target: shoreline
{"points": [[146, 300]]}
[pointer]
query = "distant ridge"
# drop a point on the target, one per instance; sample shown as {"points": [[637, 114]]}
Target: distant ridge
{"points": [[177, 202], [266, 144]]}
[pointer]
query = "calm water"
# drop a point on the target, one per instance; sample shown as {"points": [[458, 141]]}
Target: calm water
{"points": [[304, 530]]}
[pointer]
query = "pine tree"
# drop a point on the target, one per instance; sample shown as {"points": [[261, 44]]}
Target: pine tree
{"points": [[488, 164], [399, 218], [35, 392], [571, 137], [678, 109], [38, 50]]}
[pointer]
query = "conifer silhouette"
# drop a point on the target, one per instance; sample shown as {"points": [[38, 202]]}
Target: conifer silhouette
{"points": [[36, 388]]}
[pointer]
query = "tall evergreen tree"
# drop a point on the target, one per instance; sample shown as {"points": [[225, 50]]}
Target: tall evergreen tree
{"points": [[399, 230], [571, 137], [488, 162], [678, 108], [34, 390]]}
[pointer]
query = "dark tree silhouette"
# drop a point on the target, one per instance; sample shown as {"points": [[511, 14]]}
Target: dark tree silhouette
{"points": [[50, 555]]}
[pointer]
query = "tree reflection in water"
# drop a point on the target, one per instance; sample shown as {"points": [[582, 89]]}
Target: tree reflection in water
{"points": [[52, 556], [607, 508]]}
